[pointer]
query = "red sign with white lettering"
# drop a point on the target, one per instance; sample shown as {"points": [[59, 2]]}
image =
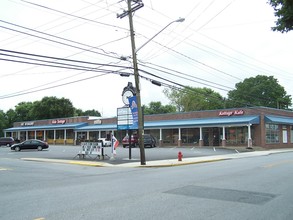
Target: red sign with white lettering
{"points": [[231, 112], [59, 121]]}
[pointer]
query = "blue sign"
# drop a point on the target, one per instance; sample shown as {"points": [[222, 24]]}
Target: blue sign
{"points": [[134, 111]]}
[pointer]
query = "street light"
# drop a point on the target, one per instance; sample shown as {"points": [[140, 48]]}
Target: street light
{"points": [[136, 79], [178, 20]]}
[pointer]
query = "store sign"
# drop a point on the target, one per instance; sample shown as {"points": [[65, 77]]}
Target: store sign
{"points": [[58, 121], [31, 123], [98, 122], [231, 112]]}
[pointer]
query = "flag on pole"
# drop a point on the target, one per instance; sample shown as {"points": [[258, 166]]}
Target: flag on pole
{"points": [[115, 144]]}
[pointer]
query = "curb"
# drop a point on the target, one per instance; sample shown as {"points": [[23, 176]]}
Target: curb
{"points": [[164, 163], [82, 163]]}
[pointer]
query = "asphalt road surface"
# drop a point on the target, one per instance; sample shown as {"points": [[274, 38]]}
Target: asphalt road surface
{"points": [[247, 188]]}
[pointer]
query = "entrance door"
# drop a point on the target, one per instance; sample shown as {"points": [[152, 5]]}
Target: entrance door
{"points": [[211, 136]]}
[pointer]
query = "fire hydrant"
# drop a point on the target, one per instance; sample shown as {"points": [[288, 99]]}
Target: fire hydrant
{"points": [[180, 155]]}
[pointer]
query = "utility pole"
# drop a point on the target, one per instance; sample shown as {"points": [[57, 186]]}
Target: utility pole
{"points": [[136, 75]]}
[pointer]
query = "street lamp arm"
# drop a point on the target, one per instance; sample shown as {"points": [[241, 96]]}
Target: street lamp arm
{"points": [[178, 20]]}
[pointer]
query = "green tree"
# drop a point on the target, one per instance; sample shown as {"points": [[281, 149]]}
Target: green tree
{"points": [[284, 13], [259, 91], [52, 107], [79, 112], [3, 122], [11, 117], [23, 111], [194, 99], [158, 108]]}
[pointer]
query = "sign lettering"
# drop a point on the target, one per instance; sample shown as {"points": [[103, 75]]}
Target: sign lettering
{"points": [[231, 112], [58, 121]]}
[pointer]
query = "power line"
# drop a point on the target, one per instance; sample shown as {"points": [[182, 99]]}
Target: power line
{"points": [[60, 38], [75, 16]]}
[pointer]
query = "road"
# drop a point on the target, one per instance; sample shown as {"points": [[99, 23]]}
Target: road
{"points": [[247, 188]]}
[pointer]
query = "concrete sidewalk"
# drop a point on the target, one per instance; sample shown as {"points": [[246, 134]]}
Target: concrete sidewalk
{"points": [[164, 163]]}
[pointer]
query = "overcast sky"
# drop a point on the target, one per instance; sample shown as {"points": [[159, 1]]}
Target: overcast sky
{"points": [[220, 43]]}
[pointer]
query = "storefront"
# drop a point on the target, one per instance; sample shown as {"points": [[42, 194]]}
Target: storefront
{"points": [[264, 127]]}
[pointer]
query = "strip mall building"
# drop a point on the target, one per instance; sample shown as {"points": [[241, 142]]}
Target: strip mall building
{"points": [[263, 127]]}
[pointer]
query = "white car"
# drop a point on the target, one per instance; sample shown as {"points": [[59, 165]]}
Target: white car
{"points": [[106, 143]]}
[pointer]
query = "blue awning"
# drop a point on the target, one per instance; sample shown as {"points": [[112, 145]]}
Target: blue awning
{"points": [[185, 123], [205, 122], [279, 119], [196, 122], [46, 127], [97, 127]]}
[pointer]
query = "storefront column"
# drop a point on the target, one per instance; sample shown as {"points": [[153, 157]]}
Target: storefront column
{"points": [[26, 135], [75, 137], [65, 138], [161, 139], [18, 135], [249, 141], [54, 136], [35, 134], [87, 135], [179, 137], [224, 138], [99, 134], [45, 137], [200, 137]]}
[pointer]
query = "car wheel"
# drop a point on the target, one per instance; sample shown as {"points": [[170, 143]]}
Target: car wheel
{"points": [[17, 148], [40, 148]]}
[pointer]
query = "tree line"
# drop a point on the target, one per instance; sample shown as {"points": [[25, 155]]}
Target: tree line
{"points": [[47, 108], [255, 91]]}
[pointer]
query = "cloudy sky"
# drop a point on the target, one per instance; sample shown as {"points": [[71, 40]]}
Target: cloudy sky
{"points": [[73, 49]]}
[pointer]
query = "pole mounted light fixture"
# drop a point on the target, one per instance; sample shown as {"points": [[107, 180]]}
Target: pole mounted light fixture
{"points": [[178, 20]]}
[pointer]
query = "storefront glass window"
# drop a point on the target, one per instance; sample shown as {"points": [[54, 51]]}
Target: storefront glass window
{"points": [[50, 134], [237, 135], [94, 135], [31, 134], [170, 136], [272, 133], [190, 135], [69, 134], [40, 135], [59, 134]]}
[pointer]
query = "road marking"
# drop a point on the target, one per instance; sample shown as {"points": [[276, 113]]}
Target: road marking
{"points": [[39, 219], [3, 168], [278, 164]]}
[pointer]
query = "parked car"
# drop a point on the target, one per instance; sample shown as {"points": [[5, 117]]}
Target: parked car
{"points": [[149, 140], [6, 141], [106, 142], [30, 144], [134, 141]]}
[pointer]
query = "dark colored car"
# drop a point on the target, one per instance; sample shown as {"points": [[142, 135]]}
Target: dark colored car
{"points": [[6, 141], [149, 140], [30, 144]]}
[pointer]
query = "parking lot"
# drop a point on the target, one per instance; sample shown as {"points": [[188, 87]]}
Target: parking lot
{"points": [[122, 154]]}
